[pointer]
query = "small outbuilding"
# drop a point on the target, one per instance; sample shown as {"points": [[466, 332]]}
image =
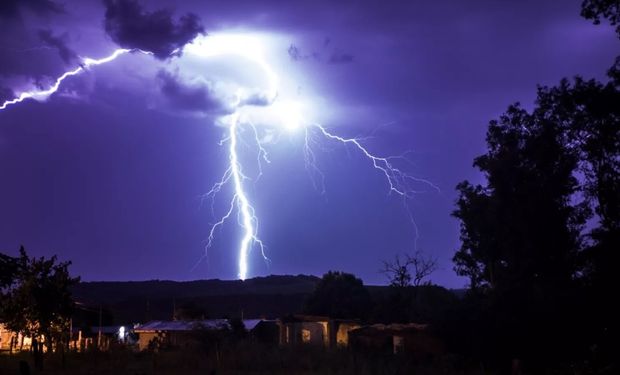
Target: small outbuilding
{"points": [[315, 330], [158, 333], [412, 338]]}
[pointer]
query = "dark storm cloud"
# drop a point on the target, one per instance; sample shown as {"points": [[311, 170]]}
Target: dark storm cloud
{"points": [[60, 44], [295, 54], [24, 58], [6, 94], [132, 27], [257, 98], [335, 56], [12, 8], [340, 58], [197, 96]]}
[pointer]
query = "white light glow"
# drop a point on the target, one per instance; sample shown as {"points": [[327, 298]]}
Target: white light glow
{"points": [[241, 45]]}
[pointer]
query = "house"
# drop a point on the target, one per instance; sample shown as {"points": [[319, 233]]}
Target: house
{"points": [[101, 337], [266, 332], [315, 330], [412, 338], [178, 333], [11, 341]]}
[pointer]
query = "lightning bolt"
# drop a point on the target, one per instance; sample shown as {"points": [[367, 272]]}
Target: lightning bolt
{"points": [[87, 62], [399, 182], [246, 214]]}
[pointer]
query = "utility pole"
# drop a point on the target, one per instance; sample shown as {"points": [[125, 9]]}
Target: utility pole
{"points": [[174, 308], [99, 335]]}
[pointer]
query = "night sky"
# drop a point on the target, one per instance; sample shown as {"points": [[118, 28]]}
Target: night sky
{"points": [[110, 171]]}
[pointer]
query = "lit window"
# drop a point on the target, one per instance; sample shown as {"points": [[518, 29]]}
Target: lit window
{"points": [[305, 335]]}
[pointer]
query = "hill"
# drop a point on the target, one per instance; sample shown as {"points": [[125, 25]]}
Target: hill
{"points": [[137, 301]]}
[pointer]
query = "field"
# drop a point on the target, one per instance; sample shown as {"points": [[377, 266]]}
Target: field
{"points": [[240, 358]]}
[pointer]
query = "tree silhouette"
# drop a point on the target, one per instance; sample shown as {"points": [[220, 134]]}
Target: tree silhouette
{"points": [[8, 271], [339, 295], [38, 303], [525, 248], [596, 9], [410, 271]]}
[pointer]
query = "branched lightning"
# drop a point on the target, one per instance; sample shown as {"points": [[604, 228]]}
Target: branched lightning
{"points": [[246, 217], [399, 182]]}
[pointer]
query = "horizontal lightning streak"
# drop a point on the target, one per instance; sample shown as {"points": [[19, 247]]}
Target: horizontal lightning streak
{"points": [[86, 63]]}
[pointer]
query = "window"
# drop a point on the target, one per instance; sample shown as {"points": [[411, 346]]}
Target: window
{"points": [[305, 335]]}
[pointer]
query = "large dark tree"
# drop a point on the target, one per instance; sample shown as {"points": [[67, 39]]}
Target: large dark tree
{"points": [[38, 302], [608, 9], [598, 136], [524, 246], [593, 110], [339, 295], [8, 271], [522, 227]]}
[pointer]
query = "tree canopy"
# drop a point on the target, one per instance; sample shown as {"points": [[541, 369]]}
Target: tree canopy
{"points": [[595, 10], [36, 301], [339, 295], [540, 237]]}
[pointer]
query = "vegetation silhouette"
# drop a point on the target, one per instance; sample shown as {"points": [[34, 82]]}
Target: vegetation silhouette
{"points": [[36, 301], [540, 237]]}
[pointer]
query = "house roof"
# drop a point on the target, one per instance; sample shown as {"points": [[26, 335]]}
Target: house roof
{"points": [[312, 318], [184, 325], [104, 329], [181, 325], [390, 328]]}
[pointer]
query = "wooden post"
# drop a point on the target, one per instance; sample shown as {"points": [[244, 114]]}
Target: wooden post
{"points": [[99, 334]]}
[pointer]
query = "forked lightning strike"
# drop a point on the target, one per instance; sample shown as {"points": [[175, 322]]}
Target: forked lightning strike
{"points": [[399, 182], [246, 214], [248, 48]]}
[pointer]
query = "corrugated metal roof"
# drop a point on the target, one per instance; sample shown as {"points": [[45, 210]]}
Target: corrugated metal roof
{"points": [[182, 325], [251, 323]]}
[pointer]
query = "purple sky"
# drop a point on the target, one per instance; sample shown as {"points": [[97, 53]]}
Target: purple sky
{"points": [[108, 172]]}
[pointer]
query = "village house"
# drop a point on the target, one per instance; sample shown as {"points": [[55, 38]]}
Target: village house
{"points": [[11, 341], [80, 339], [316, 330], [412, 338], [179, 333]]}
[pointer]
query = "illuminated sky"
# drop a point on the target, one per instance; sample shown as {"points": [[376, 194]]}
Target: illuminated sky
{"points": [[110, 171]]}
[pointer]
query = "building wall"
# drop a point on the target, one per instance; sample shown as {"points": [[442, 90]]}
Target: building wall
{"points": [[330, 333], [342, 335], [166, 338], [18, 340], [315, 333], [144, 338]]}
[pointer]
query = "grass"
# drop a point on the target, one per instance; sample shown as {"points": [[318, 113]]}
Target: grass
{"points": [[243, 357]]}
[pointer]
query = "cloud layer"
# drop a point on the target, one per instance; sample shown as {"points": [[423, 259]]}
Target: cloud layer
{"points": [[196, 96], [60, 44], [12, 8], [130, 26]]}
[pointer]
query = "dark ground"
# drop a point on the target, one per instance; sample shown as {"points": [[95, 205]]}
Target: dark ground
{"points": [[241, 358]]}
